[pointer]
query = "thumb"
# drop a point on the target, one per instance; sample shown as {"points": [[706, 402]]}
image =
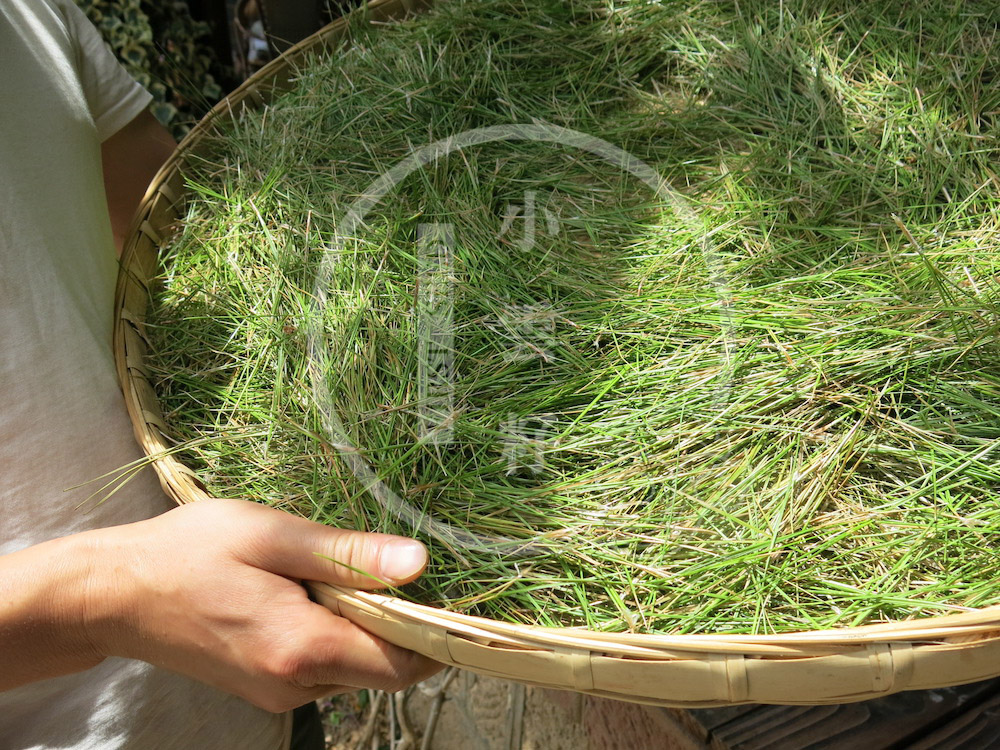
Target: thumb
{"points": [[297, 548], [364, 560]]}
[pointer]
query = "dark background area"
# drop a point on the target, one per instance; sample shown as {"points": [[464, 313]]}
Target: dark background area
{"points": [[191, 53]]}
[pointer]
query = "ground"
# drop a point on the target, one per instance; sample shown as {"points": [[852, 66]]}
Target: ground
{"points": [[482, 713]]}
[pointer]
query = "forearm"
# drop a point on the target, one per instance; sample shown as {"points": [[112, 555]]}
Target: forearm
{"points": [[130, 159], [46, 621], [227, 611]]}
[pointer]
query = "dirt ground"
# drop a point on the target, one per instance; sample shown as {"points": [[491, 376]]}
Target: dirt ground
{"points": [[459, 710]]}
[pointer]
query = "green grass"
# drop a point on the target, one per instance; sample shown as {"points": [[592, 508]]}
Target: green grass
{"points": [[790, 425]]}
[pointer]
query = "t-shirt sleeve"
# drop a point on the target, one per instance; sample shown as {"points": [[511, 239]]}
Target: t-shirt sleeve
{"points": [[114, 97]]}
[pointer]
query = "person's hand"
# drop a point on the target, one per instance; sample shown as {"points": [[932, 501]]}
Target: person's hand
{"points": [[211, 590]]}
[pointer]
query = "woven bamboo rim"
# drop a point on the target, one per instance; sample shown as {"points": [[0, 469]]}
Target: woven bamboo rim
{"points": [[808, 668]]}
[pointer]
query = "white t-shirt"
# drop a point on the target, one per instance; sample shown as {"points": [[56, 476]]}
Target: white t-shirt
{"points": [[62, 417]]}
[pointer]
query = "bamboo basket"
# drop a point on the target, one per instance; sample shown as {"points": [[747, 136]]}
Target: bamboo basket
{"points": [[818, 667]]}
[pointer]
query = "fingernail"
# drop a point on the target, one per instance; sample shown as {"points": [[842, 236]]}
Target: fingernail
{"points": [[402, 559]]}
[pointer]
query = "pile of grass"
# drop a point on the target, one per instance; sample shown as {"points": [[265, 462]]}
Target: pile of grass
{"points": [[780, 414]]}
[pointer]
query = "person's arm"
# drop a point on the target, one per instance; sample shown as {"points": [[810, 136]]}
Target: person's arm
{"points": [[131, 157], [210, 590]]}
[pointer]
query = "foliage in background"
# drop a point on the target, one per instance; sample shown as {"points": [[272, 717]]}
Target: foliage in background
{"points": [[165, 50]]}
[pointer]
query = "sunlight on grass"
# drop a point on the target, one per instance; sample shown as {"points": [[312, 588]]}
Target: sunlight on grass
{"points": [[802, 437]]}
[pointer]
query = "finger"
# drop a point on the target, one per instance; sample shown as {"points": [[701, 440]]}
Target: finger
{"points": [[330, 650], [297, 548]]}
